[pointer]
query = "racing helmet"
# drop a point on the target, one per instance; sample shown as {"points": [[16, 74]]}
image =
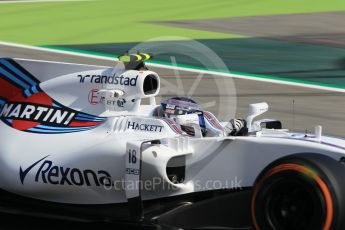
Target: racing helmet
{"points": [[176, 106]]}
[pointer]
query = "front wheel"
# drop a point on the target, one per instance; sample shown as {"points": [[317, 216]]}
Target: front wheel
{"points": [[302, 191]]}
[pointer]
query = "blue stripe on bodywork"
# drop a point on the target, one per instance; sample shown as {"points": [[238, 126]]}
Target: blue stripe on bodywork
{"points": [[14, 79], [56, 105], [87, 119], [82, 115], [54, 131], [8, 122], [27, 93], [34, 89], [18, 72], [63, 128]]}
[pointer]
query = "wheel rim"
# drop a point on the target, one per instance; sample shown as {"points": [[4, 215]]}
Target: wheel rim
{"points": [[296, 203], [314, 197]]}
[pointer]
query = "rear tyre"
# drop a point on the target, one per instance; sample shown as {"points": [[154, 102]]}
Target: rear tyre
{"points": [[302, 191]]}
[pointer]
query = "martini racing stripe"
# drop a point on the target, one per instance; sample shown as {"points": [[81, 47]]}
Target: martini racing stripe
{"points": [[56, 131], [34, 111], [89, 116], [24, 71], [82, 116], [28, 79], [85, 117], [8, 122], [88, 119], [33, 90], [13, 79], [56, 105], [47, 115], [62, 128], [47, 131]]}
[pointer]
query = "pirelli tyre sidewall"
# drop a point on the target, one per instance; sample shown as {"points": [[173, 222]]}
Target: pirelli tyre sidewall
{"points": [[301, 191]]}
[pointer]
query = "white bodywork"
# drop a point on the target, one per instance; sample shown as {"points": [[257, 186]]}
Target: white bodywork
{"points": [[90, 165]]}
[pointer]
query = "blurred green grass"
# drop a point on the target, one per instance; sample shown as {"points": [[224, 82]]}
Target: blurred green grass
{"points": [[112, 21]]}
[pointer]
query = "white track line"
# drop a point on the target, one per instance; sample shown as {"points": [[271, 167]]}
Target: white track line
{"points": [[248, 77], [239, 76], [59, 62], [57, 51]]}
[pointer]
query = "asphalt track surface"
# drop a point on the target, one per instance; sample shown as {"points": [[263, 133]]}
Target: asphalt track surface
{"points": [[311, 107]]}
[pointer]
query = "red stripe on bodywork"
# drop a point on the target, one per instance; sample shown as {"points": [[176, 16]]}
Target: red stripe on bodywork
{"points": [[84, 123], [212, 120], [172, 125], [8, 90]]}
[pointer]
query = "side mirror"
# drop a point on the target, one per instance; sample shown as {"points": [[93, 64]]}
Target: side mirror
{"points": [[191, 120], [273, 124], [266, 124], [254, 111]]}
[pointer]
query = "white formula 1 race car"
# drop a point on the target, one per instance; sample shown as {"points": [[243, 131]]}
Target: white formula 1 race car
{"points": [[77, 142]]}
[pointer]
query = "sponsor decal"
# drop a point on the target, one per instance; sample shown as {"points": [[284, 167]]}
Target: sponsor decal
{"points": [[93, 97], [112, 80], [132, 171], [49, 173], [37, 113], [144, 127], [24, 106], [121, 102]]}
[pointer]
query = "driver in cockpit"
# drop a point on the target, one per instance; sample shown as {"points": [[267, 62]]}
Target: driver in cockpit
{"points": [[174, 107]]}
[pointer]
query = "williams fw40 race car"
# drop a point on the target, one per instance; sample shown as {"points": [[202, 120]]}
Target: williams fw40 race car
{"points": [[77, 142]]}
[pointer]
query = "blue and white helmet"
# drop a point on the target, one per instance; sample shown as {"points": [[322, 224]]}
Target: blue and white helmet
{"points": [[176, 106]]}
